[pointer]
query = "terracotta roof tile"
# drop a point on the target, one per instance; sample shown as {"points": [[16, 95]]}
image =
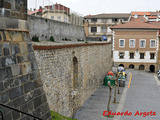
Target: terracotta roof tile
{"points": [[152, 17], [140, 19], [136, 25], [111, 15], [140, 13], [155, 23]]}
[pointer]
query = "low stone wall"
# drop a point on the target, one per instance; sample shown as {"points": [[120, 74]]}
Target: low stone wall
{"points": [[72, 72]]}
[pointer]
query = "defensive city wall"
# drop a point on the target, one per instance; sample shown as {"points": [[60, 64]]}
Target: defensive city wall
{"points": [[71, 72], [44, 29], [58, 76]]}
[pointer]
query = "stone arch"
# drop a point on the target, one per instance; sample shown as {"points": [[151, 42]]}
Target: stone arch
{"points": [[75, 72], [152, 68], [141, 67], [121, 65], [131, 66]]}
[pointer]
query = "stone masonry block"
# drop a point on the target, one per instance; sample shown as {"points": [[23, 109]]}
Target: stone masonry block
{"points": [[8, 83], [23, 48], [15, 49], [4, 97], [37, 102], [24, 78], [16, 69], [20, 59], [26, 37], [8, 116], [3, 74], [9, 61], [26, 68], [30, 48], [7, 35], [29, 86], [16, 92], [16, 36], [9, 72], [16, 115], [6, 49], [18, 101], [1, 49], [1, 86]]}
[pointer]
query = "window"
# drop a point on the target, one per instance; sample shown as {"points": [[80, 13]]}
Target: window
{"points": [[152, 55], [115, 19], [142, 43], [121, 55], [52, 17], [125, 19], [93, 29], [104, 20], [59, 17], [141, 55], [152, 43], [121, 43], [104, 28], [131, 43], [93, 19], [131, 55]]}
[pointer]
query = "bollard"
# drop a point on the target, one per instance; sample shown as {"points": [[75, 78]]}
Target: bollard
{"points": [[118, 84], [109, 100], [115, 91]]}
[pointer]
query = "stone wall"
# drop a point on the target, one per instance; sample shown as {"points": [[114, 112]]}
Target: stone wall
{"points": [[45, 28], [20, 83], [72, 72]]}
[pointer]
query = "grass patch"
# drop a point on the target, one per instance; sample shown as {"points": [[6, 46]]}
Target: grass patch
{"points": [[57, 116]]}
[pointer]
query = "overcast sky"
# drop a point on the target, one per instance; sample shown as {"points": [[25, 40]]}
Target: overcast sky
{"points": [[86, 7]]}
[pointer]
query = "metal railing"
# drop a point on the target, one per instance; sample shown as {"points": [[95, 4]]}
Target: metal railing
{"points": [[16, 110]]}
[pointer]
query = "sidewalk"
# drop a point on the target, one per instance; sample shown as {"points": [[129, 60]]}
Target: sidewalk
{"points": [[93, 108]]}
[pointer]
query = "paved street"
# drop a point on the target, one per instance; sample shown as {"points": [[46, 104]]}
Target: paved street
{"points": [[143, 95]]}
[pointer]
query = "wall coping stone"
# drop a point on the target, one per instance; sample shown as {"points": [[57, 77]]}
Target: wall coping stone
{"points": [[69, 45]]}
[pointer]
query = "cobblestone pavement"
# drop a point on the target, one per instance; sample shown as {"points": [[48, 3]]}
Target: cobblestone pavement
{"points": [[142, 96]]}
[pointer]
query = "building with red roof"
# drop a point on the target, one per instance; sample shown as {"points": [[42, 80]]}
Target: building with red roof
{"points": [[136, 45]]}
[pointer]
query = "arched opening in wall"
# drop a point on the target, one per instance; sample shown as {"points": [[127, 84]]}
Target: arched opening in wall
{"points": [[131, 66], [121, 65], [141, 67], [75, 98], [152, 68], [75, 73]]}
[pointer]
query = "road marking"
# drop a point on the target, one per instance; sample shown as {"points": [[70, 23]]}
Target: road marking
{"points": [[121, 103], [158, 81], [130, 80]]}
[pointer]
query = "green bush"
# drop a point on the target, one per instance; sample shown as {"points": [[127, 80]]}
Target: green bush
{"points": [[52, 39], [35, 39]]}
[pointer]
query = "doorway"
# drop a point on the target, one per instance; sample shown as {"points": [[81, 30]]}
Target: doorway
{"points": [[152, 68], [141, 67], [131, 66]]}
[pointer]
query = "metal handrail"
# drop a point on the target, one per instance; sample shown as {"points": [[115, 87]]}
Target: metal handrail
{"points": [[17, 111]]}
